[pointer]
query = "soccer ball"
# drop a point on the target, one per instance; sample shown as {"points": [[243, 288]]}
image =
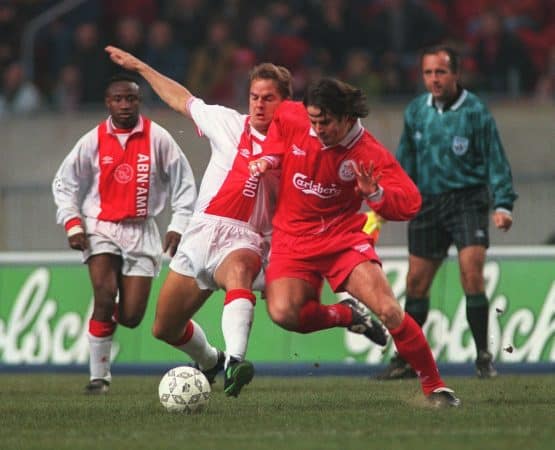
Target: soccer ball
{"points": [[184, 389]]}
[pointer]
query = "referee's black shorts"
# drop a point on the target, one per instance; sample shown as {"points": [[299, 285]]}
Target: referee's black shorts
{"points": [[457, 217]]}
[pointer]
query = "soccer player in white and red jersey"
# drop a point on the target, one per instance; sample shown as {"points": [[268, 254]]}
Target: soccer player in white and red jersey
{"points": [[228, 238], [330, 164], [108, 190]]}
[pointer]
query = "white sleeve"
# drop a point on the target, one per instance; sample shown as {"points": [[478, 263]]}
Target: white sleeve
{"points": [[183, 190], [216, 122], [74, 177]]}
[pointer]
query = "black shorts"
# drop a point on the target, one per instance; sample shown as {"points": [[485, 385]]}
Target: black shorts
{"points": [[457, 217]]}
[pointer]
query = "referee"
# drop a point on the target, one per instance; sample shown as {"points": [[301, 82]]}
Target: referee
{"points": [[451, 149]]}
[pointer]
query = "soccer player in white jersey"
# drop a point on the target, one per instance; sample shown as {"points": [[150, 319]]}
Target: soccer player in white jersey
{"points": [[228, 237], [108, 190]]}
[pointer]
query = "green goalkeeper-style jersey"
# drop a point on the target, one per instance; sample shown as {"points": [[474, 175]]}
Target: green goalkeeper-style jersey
{"points": [[456, 148]]}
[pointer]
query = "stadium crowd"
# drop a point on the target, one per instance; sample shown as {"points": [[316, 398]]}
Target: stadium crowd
{"points": [[508, 46]]}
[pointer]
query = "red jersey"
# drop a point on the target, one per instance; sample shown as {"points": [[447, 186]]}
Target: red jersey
{"points": [[317, 187]]}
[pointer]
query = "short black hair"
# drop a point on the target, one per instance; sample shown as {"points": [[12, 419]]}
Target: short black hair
{"points": [[337, 98], [122, 76], [454, 58]]}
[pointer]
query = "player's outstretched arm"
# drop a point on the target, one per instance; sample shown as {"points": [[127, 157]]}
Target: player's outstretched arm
{"points": [[170, 91]]}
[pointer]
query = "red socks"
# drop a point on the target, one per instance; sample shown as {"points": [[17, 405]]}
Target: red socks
{"points": [[414, 349], [314, 316]]}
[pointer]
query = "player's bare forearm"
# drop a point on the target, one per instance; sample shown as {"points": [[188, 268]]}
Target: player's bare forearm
{"points": [[170, 91]]}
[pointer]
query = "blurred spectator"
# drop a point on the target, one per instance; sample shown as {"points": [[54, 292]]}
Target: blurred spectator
{"points": [[189, 19], [464, 15], [285, 20], [53, 48], [501, 58], [18, 95], [243, 62], [129, 36], [145, 11], [518, 14], [212, 63], [164, 54], [91, 61], [9, 34], [396, 33], [68, 90], [359, 72], [545, 88], [259, 38], [332, 30]]}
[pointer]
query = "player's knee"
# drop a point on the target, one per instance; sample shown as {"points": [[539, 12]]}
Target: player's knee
{"points": [[283, 315], [416, 288], [390, 313], [159, 331], [132, 321]]}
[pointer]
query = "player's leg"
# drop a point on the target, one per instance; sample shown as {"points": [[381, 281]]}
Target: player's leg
{"points": [[236, 274], [134, 292], [368, 282], [179, 299], [293, 298], [293, 304], [428, 245], [471, 263], [417, 303], [104, 271], [469, 227]]}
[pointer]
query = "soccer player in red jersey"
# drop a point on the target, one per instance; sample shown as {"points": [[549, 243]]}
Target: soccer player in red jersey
{"points": [[330, 164]]}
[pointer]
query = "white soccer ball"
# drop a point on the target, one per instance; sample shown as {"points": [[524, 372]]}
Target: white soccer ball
{"points": [[184, 389]]}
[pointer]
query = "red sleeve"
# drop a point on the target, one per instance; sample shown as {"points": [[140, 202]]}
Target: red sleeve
{"points": [[401, 198], [288, 118]]}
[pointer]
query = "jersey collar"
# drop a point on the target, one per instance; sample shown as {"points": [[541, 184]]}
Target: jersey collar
{"points": [[137, 129], [257, 134], [350, 139], [453, 107]]}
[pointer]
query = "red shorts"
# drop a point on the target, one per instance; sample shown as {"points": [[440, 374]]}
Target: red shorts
{"points": [[314, 258]]}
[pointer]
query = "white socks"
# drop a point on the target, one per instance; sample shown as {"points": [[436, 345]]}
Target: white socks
{"points": [[237, 320], [99, 361], [198, 348]]}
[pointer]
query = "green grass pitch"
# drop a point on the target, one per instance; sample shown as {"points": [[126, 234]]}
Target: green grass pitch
{"points": [[50, 412]]}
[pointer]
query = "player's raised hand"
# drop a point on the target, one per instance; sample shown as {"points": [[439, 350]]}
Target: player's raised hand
{"points": [[171, 241], [122, 58], [367, 180], [78, 241]]}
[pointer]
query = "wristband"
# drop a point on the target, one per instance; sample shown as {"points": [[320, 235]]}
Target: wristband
{"points": [[375, 196], [77, 229]]}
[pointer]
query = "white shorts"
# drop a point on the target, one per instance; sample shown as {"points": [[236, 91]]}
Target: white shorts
{"points": [[136, 241], [206, 243]]}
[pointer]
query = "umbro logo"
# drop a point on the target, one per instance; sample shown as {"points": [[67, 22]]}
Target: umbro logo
{"points": [[298, 152], [361, 248], [107, 160], [244, 152]]}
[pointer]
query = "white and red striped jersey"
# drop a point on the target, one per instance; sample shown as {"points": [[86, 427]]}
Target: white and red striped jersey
{"points": [[228, 190], [115, 176]]}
